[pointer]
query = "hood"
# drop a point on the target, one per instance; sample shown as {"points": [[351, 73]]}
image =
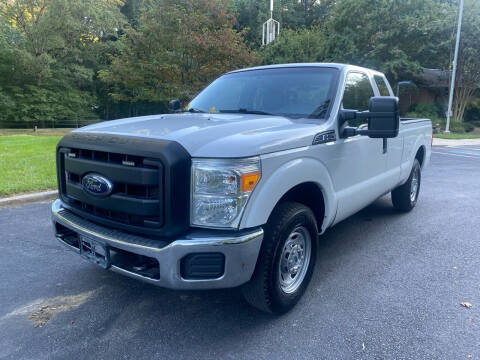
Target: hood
{"points": [[218, 135]]}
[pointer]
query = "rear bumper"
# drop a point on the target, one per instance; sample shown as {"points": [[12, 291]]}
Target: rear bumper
{"points": [[240, 250]]}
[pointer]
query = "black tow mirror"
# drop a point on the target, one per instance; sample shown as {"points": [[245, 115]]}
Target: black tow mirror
{"points": [[383, 118], [174, 106]]}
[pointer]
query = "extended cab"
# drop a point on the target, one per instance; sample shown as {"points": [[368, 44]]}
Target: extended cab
{"points": [[235, 188]]}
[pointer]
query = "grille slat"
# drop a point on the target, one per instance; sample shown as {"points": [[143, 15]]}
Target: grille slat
{"points": [[128, 204], [103, 156], [114, 172]]}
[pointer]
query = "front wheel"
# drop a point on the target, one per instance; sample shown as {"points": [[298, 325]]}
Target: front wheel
{"points": [[405, 197], [286, 261]]}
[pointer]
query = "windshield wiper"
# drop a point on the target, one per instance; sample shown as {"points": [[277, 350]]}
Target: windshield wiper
{"points": [[244, 111], [321, 110], [194, 110]]}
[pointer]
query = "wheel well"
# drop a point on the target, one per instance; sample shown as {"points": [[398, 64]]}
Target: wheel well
{"points": [[420, 156], [310, 195]]}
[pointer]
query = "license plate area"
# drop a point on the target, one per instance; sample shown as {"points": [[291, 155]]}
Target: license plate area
{"points": [[95, 252]]}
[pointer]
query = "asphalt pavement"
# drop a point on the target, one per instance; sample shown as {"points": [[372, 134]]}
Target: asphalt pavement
{"points": [[387, 286]]}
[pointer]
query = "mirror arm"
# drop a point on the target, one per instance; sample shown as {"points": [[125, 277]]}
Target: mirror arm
{"points": [[346, 115], [349, 132], [352, 131], [363, 132]]}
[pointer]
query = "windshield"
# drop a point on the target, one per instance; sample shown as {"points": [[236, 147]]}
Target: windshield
{"points": [[293, 92]]}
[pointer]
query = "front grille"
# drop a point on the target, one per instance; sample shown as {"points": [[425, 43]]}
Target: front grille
{"points": [[150, 177], [136, 198]]}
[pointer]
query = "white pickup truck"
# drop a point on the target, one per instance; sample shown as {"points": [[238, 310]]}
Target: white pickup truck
{"points": [[235, 188]]}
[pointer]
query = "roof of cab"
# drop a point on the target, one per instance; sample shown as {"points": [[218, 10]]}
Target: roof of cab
{"points": [[331, 65]]}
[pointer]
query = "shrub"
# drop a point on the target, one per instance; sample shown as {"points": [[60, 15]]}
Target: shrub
{"points": [[430, 110], [472, 113], [439, 123], [435, 112]]}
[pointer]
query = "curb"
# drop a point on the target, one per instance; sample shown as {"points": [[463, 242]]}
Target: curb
{"points": [[455, 142], [28, 198]]}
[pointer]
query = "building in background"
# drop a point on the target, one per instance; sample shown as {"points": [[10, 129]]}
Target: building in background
{"points": [[432, 87]]}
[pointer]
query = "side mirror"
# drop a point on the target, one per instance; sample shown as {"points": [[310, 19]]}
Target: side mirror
{"points": [[383, 118], [174, 106]]}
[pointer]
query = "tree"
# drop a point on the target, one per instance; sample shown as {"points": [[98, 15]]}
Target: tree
{"points": [[250, 15], [7, 56], [64, 61], [179, 46], [467, 81], [292, 14], [293, 46], [397, 37], [52, 48]]}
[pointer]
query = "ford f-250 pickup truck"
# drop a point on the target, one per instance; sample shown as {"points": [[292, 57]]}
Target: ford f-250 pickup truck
{"points": [[235, 188]]}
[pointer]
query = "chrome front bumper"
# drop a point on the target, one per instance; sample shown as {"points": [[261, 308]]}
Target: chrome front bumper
{"points": [[240, 250]]}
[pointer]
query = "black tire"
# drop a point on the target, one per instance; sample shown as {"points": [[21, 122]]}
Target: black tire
{"points": [[264, 291], [402, 197]]}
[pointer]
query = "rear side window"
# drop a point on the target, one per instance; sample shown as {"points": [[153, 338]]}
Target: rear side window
{"points": [[382, 86]]}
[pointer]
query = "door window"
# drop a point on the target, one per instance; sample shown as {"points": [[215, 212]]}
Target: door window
{"points": [[357, 94]]}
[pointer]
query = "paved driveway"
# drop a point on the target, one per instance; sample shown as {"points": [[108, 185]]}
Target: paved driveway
{"points": [[386, 286]]}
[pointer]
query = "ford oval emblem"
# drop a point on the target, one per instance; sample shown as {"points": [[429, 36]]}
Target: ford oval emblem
{"points": [[97, 185]]}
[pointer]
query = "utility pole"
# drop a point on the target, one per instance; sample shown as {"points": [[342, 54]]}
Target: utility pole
{"points": [[271, 28], [454, 71]]}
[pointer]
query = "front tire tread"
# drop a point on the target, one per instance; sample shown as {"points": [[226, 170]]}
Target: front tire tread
{"points": [[258, 292]]}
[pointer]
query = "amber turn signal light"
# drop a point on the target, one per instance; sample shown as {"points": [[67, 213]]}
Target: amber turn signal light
{"points": [[249, 181]]}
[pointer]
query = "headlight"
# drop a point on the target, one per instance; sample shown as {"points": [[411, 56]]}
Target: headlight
{"points": [[220, 190]]}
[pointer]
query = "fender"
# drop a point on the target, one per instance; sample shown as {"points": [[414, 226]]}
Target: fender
{"points": [[411, 146], [278, 180]]}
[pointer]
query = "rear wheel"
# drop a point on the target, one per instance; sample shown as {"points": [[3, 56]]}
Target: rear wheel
{"points": [[286, 261], [405, 197]]}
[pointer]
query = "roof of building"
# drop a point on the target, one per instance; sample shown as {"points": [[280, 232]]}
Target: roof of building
{"points": [[436, 77]]}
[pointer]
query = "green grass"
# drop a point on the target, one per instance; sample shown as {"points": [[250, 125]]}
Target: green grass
{"points": [[457, 136], [27, 163]]}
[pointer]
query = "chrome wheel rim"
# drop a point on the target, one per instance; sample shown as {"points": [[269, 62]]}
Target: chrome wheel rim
{"points": [[414, 185], [295, 259]]}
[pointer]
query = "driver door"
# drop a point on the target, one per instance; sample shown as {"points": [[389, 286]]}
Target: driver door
{"points": [[358, 164]]}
